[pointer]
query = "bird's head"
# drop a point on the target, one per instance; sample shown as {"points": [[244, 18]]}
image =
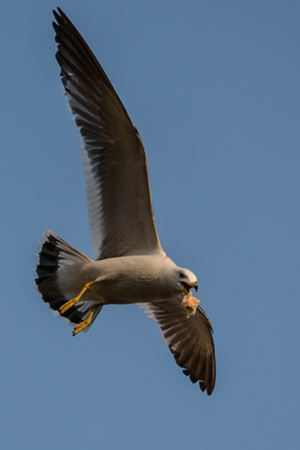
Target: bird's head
{"points": [[188, 280]]}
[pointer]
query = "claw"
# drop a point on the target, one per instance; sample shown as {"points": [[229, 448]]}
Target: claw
{"points": [[76, 299], [85, 323]]}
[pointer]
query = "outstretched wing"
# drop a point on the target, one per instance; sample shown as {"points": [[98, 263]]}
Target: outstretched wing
{"points": [[189, 339], [116, 174]]}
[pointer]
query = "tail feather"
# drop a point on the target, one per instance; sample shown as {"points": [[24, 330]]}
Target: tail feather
{"points": [[54, 253]]}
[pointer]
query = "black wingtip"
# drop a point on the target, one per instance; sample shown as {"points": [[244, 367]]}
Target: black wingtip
{"points": [[59, 16], [59, 13], [56, 15], [204, 387]]}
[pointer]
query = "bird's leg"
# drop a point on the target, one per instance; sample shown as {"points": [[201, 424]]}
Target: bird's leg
{"points": [[190, 303], [76, 299], [85, 323]]}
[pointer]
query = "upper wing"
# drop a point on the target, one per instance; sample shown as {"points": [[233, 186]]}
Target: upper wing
{"points": [[189, 339], [118, 194]]}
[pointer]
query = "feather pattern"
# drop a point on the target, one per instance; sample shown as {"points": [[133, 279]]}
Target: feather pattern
{"points": [[188, 338], [116, 174], [55, 253]]}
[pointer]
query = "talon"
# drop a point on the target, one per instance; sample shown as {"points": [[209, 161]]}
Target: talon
{"points": [[76, 299], [190, 303], [85, 323]]}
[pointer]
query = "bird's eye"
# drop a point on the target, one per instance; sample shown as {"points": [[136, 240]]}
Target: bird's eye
{"points": [[181, 275]]}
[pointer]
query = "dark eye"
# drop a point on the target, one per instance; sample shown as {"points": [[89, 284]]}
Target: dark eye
{"points": [[181, 275]]}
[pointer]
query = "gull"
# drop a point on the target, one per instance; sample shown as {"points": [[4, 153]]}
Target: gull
{"points": [[131, 266]]}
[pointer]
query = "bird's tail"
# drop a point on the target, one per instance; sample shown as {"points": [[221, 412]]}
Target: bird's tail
{"points": [[54, 254]]}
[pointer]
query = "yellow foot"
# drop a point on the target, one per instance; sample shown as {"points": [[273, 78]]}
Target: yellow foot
{"points": [[76, 299], [85, 323], [190, 303]]}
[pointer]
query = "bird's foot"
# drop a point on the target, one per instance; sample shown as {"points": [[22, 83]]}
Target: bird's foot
{"points": [[85, 323], [76, 299], [190, 304]]}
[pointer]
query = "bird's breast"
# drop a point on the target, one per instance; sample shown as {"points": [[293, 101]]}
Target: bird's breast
{"points": [[132, 279]]}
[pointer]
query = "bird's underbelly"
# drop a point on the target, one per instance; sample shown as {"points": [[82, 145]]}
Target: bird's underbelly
{"points": [[129, 291], [120, 281]]}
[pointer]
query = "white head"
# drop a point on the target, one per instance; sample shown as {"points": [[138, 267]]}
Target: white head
{"points": [[187, 280]]}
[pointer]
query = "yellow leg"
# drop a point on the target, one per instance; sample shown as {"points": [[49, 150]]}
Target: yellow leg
{"points": [[76, 299], [85, 323]]}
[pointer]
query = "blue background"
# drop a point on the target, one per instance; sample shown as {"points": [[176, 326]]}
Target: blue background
{"points": [[213, 88]]}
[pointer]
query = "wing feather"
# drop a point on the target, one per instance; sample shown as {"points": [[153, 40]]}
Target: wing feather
{"points": [[189, 339], [116, 174]]}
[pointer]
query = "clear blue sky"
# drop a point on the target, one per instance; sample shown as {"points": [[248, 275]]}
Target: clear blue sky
{"points": [[213, 88]]}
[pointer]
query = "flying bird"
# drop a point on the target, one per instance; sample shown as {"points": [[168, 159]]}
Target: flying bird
{"points": [[131, 266]]}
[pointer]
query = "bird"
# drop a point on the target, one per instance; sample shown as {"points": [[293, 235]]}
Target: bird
{"points": [[131, 266]]}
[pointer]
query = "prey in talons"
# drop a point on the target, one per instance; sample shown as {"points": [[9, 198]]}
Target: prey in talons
{"points": [[190, 304]]}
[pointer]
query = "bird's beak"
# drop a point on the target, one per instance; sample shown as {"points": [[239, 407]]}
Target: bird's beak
{"points": [[187, 287]]}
